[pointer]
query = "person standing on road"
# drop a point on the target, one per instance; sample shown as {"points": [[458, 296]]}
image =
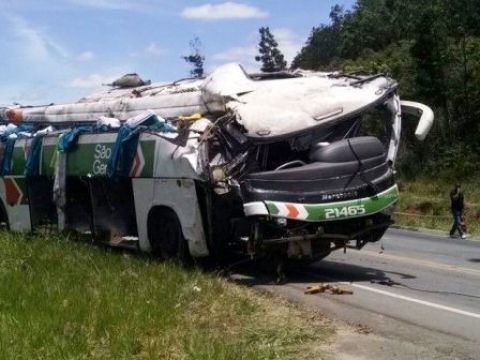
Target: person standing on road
{"points": [[457, 206]]}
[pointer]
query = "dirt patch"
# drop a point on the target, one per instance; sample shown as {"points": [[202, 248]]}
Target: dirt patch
{"points": [[360, 343]]}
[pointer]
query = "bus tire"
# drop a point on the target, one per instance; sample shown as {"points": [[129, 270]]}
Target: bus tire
{"points": [[166, 236]]}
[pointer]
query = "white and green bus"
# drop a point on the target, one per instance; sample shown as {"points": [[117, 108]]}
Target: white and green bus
{"points": [[297, 163]]}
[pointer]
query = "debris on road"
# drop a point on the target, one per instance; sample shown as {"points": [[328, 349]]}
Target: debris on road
{"points": [[315, 289], [387, 282], [321, 288], [362, 329]]}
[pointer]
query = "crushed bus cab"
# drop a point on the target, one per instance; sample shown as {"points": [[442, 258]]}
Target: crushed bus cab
{"points": [[298, 163]]}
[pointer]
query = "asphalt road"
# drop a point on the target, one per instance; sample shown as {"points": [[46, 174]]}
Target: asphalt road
{"points": [[416, 295]]}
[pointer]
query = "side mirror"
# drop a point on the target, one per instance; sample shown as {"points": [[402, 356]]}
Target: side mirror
{"points": [[424, 113]]}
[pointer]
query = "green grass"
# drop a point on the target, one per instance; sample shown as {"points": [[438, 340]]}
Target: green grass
{"points": [[426, 203], [61, 299]]}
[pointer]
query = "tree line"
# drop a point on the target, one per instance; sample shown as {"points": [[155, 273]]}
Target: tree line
{"points": [[432, 48]]}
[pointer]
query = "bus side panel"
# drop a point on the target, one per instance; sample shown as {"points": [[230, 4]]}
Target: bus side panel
{"points": [[13, 192], [178, 194]]}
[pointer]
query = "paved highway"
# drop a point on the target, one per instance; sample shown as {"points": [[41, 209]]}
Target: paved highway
{"points": [[417, 294]]}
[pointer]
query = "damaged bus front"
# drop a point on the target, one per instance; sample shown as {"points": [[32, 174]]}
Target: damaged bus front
{"points": [[311, 158]]}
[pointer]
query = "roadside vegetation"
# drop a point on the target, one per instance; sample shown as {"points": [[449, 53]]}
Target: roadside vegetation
{"points": [[425, 203], [67, 299], [432, 48]]}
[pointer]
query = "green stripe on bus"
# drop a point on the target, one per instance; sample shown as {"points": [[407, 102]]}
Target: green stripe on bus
{"points": [[272, 209], [336, 210], [148, 150], [18, 161], [91, 159], [353, 208]]}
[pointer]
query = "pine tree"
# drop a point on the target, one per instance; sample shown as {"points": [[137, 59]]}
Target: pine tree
{"points": [[270, 56], [196, 59]]}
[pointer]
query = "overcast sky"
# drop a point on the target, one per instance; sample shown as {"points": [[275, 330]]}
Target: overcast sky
{"points": [[59, 50]]}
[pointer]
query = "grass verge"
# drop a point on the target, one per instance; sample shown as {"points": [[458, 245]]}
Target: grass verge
{"points": [[426, 204], [70, 300]]}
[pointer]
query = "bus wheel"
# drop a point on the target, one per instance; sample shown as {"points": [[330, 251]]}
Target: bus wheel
{"points": [[166, 237]]}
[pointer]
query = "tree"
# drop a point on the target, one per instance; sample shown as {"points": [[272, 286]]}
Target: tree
{"points": [[322, 45], [196, 59], [270, 56]]}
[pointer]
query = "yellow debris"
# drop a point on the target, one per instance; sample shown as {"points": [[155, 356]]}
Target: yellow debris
{"points": [[321, 288], [339, 291], [315, 289], [193, 117]]}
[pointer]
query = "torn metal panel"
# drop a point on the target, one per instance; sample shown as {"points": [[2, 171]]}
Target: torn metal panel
{"points": [[228, 81], [393, 105], [297, 105], [59, 188]]}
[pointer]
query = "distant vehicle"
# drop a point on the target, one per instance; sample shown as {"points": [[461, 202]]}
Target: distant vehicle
{"points": [[296, 163]]}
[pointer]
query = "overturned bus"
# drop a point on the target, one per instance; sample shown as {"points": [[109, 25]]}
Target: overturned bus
{"points": [[297, 163]]}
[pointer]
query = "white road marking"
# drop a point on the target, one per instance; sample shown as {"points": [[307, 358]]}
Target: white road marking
{"points": [[425, 263], [414, 300]]}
